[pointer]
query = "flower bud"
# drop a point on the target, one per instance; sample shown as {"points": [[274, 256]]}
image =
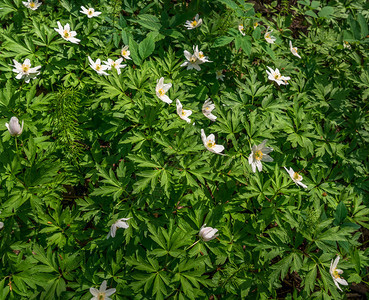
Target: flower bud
{"points": [[14, 126], [207, 233]]}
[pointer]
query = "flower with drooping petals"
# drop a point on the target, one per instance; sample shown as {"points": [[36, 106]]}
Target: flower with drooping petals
{"points": [[296, 177], [277, 77], [208, 233], [32, 4], [209, 143], [161, 89], [219, 75], [193, 24], [115, 64], [294, 50], [118, 224], [335, 273], [258, 154], [102, 293], [241, 29], [89, 12], [200, 55], [207, 108], [98, 67], [183, 113], [25, 71], [14, 126], [269, 38], [66, 33], [125, 52]]}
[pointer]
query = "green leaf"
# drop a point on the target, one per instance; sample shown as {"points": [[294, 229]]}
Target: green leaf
{"points": [[326, 12], [147, 46], [222, 41], [340, 214], [133, 47]]}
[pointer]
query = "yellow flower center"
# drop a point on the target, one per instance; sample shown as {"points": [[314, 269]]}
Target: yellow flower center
{"points": [[258, 155], [267, 36], [25, 68], [277, 76], [210, 144], [98, 67], [296, 176], [207, 108], [32, 4], [124, 52], [219, 73], [294, 49], [183, 113], [101, 296], [194, 23], [161, 92], [193, 59], [90, 12], [201, 55], [335, 274], [256, 24], [67, 34], [114, 64], [346, 42]]}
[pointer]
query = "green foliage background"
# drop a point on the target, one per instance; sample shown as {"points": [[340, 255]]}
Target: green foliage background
{"points": [[99, 148]]}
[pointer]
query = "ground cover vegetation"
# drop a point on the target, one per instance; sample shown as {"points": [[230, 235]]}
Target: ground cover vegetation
{"points": [[184, 149]]}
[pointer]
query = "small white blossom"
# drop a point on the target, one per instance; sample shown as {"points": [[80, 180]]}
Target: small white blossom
{"points": [[208, 233], [193, 24], [346, 45], [118, 224], [335, 273], [241, 29], [192, 61], [32, 4], [98, 67], [207, 108], [66, 33], [219, 75], [161, 89], [294, 50], [14, 126], [125, 52], [277, 77], [102, 293], [258, 154], [209, 143], [183, 113], [200, 55], [296, 177], [90, 12], [25, 71], [256, 24], [115, 64], [269, 38]]}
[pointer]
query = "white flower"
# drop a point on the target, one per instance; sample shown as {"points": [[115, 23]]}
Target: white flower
{"points": [[90, 12], [14, 126], [207, 233], [102, 293], [294, 50], [115, 64], [335, 273], [296, 177], [209, 143], [241, 29], [201, 57], [192, 61], [207, 108], [66, 33], [98, 67], [346, 45], [258, 154], [118, 224], [182, 113], [277, 77], [125, 52], [219, 75], [32, 4], [256, 24], [25, 70], [161, 89], [193, 24], [269, 38]]}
